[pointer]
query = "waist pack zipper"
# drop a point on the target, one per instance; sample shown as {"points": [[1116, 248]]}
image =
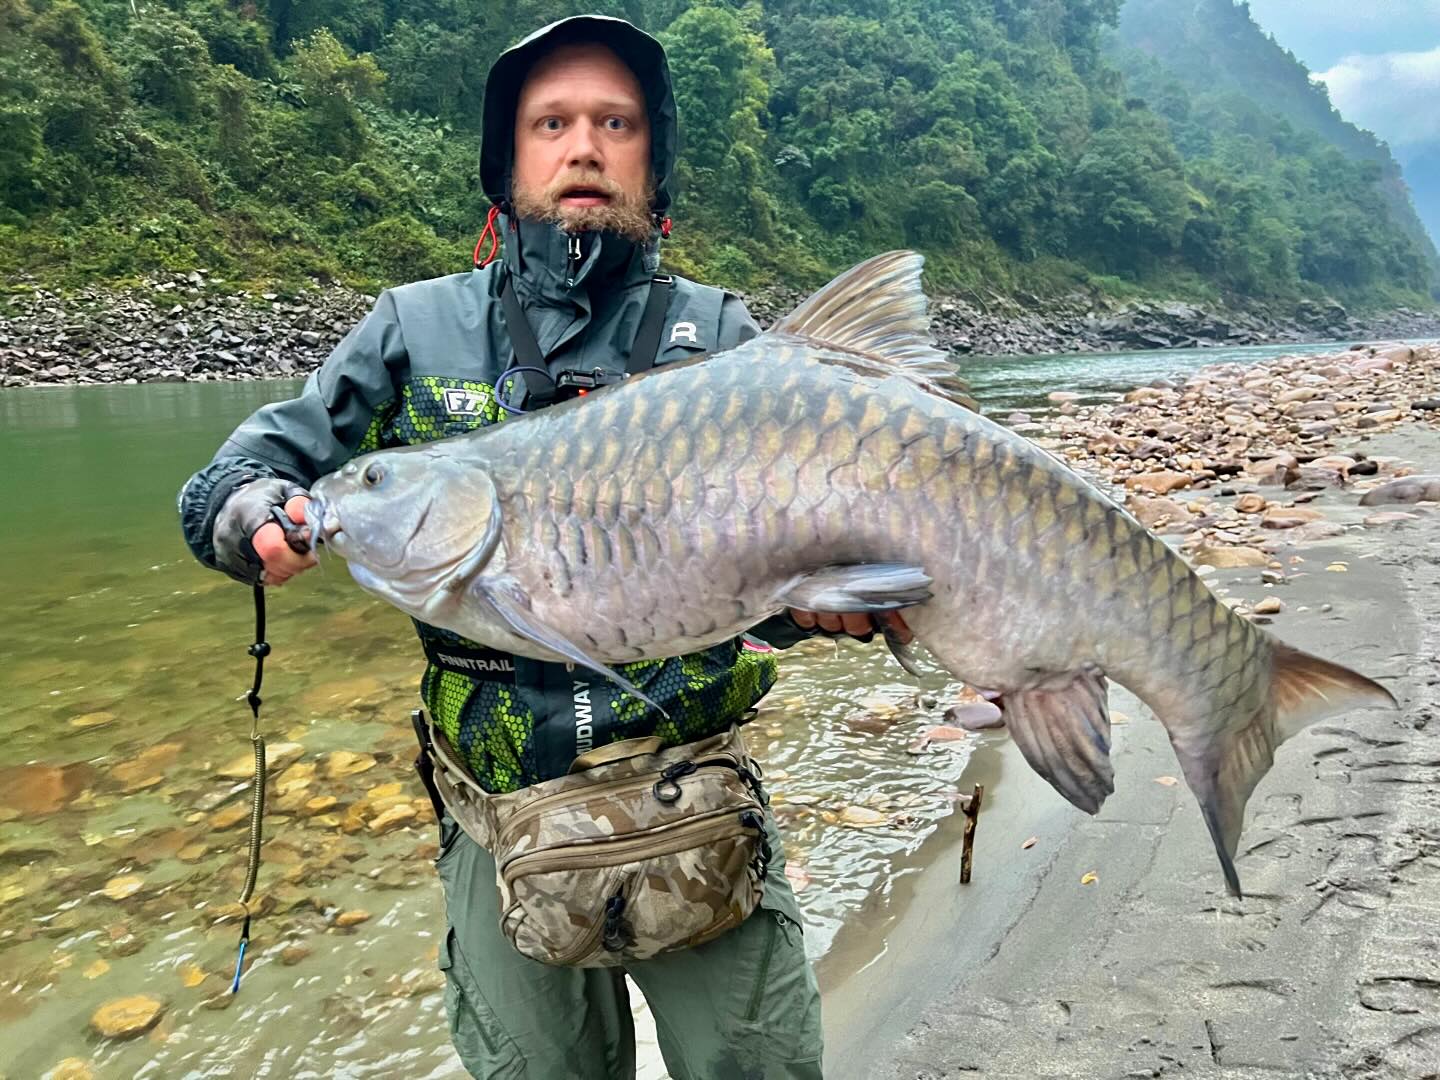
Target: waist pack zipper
{"points": [[624, 784], [614, 852]]}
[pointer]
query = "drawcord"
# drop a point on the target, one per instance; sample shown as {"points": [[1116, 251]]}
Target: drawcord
{"points": [[259, 650], [489, 233], [515, 369], [493, 235]]}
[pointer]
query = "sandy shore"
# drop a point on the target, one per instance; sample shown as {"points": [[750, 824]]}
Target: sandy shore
{"points": [[1330, 967]]}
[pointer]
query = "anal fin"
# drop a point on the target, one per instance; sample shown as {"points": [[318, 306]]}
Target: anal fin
{"points": [[1065, 736], [870, 587]]}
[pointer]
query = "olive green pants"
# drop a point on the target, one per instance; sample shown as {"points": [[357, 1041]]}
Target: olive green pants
{"points": [[742, 1007]]}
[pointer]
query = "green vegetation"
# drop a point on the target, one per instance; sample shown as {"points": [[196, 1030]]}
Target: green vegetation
{"points": [[274, 140], [1239, 104]]}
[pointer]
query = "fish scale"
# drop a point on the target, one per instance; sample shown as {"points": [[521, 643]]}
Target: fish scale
{"points": [[833, 463]]}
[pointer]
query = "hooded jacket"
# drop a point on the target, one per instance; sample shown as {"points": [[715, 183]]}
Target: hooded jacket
{"points": [[423, 365]]}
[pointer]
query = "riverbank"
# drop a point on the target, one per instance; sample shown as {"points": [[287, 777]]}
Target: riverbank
{"points": [[191, 327], [122, 824], [1107, 947]]}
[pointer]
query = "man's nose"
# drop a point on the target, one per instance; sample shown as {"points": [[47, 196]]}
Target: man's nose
{"points": [[584, 148]]}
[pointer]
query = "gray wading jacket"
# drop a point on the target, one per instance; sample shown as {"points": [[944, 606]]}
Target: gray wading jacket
{"points": [[422, 366]]}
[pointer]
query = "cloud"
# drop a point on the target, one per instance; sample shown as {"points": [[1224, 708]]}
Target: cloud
{"points": [[1396, 94], [1321, 32]]}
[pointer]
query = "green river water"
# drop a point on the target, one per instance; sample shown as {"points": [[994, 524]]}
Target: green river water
{"points": [[122, 663]]}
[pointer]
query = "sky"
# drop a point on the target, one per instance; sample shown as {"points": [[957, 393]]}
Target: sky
{"points": [[1380, 60]]}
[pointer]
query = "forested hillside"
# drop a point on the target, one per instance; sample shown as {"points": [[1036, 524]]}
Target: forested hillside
{"points": [[285, 139], [1240, 93]]}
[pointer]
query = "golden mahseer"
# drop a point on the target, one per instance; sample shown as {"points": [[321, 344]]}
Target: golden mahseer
{"points": [[833, 463]]}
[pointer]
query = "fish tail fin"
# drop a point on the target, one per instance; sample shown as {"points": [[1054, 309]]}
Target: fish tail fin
{"points": [[1303, 689], [877, 310]]}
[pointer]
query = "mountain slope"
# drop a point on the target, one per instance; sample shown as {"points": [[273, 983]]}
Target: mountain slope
{"points": [[1214, 48]]}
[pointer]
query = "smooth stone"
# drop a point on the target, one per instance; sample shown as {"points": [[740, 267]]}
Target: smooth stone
{"points": [[124, 1018], [1159, 483], [36, 790], [974, 716], [1289, 517], [392, 818], [1230, 558], [342, 763], [1151, 512]]}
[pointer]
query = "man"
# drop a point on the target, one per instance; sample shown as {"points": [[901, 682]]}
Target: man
{"points": [[577, 156]]}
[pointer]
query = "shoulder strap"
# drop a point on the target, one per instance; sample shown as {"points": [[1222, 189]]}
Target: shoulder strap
{"points": [[646, 347], [538, 389]]}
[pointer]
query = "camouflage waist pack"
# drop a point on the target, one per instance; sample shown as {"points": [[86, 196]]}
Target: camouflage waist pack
{"points": [[638, 851]]}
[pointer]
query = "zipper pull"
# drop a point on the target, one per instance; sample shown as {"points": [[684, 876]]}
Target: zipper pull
{"points": [[573, 257]]}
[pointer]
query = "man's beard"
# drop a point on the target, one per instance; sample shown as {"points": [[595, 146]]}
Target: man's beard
{"points": [[626, 214]]}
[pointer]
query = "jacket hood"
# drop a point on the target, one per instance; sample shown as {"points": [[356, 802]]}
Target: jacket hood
{"points": [[637, 50]]}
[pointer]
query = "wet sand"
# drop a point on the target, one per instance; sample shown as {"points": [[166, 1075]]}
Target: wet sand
{"points": [[1330, 966]]}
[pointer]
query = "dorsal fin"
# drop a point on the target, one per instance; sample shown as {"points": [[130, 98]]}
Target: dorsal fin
{"points": [[876, 312]]}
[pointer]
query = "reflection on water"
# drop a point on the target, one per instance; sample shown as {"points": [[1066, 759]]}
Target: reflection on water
{"points": [[122, 776]]}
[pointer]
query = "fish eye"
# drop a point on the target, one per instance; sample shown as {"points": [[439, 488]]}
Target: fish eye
{"points": [[374, 473]]}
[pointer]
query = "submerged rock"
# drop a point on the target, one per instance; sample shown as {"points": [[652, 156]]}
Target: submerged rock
{"points": [[125, 1018], [36, 790]]}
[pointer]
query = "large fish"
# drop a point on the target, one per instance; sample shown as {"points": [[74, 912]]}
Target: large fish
{"points": [[833, 464]]}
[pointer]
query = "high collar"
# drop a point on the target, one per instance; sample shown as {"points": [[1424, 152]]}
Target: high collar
{"points": [[538, 258]]}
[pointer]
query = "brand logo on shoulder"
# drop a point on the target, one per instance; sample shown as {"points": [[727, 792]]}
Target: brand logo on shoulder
{"points": [[460, 402], [684, 330]]}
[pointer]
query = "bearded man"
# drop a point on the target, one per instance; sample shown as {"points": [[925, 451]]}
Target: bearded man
{"points": [[577, 158]]}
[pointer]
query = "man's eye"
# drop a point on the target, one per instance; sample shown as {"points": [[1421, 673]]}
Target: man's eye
{"points": [[616, 123], [550, 123]]}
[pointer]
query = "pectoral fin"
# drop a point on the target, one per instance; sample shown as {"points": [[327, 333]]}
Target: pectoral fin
{"points": [[857, 587], [513, 605], [1065, 736]]}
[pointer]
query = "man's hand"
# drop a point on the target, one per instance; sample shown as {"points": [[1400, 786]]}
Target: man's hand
{"points": [[857, 624], [250, 545], [281, 561]]}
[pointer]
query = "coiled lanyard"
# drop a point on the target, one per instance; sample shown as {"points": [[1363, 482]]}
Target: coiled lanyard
{"points": [[259, 650]]}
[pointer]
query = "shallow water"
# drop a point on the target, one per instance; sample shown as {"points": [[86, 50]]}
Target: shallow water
{"points": [[122, 663], [1003, 383]]}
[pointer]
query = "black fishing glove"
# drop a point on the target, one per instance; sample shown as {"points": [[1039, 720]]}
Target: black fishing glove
{"points": [[244, 512]]}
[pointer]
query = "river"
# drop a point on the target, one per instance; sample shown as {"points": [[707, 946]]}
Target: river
{"points": [[121, 667]]}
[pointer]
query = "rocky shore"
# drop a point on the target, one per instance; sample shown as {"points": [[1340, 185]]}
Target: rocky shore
{"points": [[1239, 459], [192, 327], [1106, 946], [1021, 325]]}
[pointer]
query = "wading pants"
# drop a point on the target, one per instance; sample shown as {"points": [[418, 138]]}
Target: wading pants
{"points": [[742, 1007]]}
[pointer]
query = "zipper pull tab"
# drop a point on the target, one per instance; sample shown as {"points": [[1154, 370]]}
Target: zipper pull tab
{"points": [[574, 256]]}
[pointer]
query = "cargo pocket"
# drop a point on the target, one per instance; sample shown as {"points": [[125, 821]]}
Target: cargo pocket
{"points": [[484, 1048], [774, 1012]]}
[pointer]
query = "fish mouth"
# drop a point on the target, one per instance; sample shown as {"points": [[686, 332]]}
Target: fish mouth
{"points": [[323, 523], [326, 528]]}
